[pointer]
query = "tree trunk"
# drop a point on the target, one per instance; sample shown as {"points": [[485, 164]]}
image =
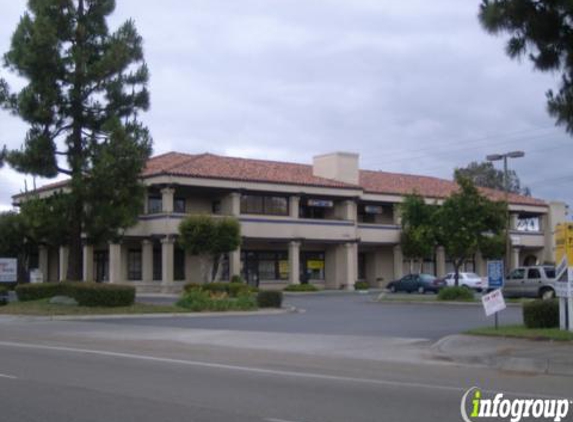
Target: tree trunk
{"points": [[219, 260], [457, 265]]}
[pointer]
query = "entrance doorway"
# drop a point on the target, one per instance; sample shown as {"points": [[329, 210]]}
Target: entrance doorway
{"points": [[101, 266]]}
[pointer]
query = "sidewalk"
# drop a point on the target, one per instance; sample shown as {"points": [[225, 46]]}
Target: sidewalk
{"points": [[530, 356]]}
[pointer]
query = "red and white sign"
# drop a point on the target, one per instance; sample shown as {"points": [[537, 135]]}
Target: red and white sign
{"points": [[493, 302]]}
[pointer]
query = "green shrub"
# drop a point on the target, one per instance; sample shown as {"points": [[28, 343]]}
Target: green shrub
{"points": [[237, 279], [28, 292], [215, 287], [301, 288], [361, 285], [97, 294], [456, 293], [3, 296], [270, 299], [192, 286], [541, 314], [237, 289], [200, 300]]}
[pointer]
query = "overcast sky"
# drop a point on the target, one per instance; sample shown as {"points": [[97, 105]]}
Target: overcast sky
{"points": [[413, 86]]}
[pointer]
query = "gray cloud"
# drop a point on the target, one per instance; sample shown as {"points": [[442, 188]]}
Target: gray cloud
{"points": [[413, 86]]}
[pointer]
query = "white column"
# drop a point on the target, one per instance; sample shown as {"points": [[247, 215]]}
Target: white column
{"points": [[64, 254], [294, 262], [147, 261], [514, 258], [167, 254], [294, 204], [397, 215], [167, 199], [235, 263], [398, 262], [349, 210], [513, 219], [43, 262], [351, 261], [440, 261], [115, 263], [88, 263]]}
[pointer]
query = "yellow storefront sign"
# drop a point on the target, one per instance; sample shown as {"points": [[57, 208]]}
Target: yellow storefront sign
{"points": [[564, 243], [314, 265], [283, 268]]}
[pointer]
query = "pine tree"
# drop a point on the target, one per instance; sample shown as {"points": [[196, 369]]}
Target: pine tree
{"points": [[85, 88], [542, 29]]}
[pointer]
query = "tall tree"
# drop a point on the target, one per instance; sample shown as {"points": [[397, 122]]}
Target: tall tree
{"points": [[542, 29], [467, 221], [418, 238], [85, 88], [485, 175]]}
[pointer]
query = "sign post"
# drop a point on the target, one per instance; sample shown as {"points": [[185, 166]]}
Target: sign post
{"points": [[493, 303], [495, 280], [564, 274]]}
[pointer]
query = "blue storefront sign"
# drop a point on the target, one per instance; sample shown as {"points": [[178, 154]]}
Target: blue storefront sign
{"points": [[495, 276]]}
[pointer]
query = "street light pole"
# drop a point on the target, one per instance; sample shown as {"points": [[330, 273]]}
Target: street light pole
{"points": [[504, 157]]}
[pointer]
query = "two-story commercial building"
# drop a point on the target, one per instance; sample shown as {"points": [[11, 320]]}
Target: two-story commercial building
{"points": [[328, 223]]}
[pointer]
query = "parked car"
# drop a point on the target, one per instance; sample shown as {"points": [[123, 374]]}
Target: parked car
{"points": [[537, 281], [469, 280], [420, 283]]}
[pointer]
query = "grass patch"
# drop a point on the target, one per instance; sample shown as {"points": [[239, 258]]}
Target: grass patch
{"points": [[520, 331], [42, 307]]}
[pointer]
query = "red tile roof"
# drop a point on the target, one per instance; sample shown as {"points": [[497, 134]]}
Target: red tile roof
{"points": [[244, 169]]}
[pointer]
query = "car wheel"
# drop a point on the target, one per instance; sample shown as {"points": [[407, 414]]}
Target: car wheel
{"points": [[421, 290], [547, 294], [393, 289]]}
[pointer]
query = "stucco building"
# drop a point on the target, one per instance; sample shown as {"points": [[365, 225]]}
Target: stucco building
{"points": [[329, 223]]}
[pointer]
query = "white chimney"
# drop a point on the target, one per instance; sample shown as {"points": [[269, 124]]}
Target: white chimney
{"points": [[340, 166]]}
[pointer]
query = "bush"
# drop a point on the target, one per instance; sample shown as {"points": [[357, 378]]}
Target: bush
{"points": [[97, 294], [199, 300], [270, 299], [3, 296], [456, 293], [361, 285], [301, 288], [237, 279], [215, 287], [28, 292], [192, 286], [541, 314]]}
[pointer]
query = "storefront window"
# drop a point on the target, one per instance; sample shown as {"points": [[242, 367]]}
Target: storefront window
{"points": [[157, 264], [134, 264], [179, 205], [265, 265], [266, 205], [313, 265], [179, 264]]}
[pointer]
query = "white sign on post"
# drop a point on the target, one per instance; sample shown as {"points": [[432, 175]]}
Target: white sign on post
{"points": [[8, 270], [493, 302]]}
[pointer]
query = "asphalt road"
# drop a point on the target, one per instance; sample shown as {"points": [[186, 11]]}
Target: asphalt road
{"points": [[351, 314], [60, 383]]}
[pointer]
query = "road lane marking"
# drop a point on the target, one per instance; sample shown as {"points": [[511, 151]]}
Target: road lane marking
{"points": [[278, 420], [250, 369], [10, 377]]}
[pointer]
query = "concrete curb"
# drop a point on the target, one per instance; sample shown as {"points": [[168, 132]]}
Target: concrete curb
{"points": [[498, 358], [429, 302], [32, 318]]}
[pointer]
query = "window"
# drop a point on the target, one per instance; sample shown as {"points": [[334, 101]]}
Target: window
{"points": [[313, 265], [179, 205], [268, 205], [528, 224], [517, 274], [134, 264], [362, 266], [549, 272], [179, 264], [368, 213], [265, 265], [157, 264], [533, 273], [154, 204], [216, 207]]}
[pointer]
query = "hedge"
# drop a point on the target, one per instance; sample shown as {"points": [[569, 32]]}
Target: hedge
{"points": [[28, 292], [541, 314], [270, 299], [301, 288], [101, 295], [199, 300], [233, 289], [361, 285], [86, 294], [456, 293]]}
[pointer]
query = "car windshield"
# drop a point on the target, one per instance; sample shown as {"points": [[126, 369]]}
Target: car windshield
{"points": [[472, 275], [427, 277]]}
